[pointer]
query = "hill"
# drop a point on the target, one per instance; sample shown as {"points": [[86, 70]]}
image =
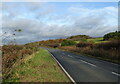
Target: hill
{"points": [[78, 37]]}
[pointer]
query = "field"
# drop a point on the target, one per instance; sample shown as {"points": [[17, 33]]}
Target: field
{"points": [[93, 40], [39, 67], [96, 40]]}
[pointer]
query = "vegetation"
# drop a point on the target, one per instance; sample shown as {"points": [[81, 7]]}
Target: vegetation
{"points": [[5, 36], [78, 37], [54, 45], [114, 45], [67, 43], [97, 40], [106, 48], [107, 51], [93, 40], [39, 67], [11, 54], [84, 44], [112, 36]]}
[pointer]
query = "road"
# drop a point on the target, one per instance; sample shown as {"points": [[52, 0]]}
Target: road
{"points": [[86, 69]]}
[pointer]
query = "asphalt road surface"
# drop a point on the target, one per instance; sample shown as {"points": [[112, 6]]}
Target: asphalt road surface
{"points": [[87, 69]]}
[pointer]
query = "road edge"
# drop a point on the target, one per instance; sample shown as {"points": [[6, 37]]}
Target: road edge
{"points": [[63, 68]]}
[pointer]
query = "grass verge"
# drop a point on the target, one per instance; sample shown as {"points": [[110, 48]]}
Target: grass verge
{"points": [[40, 67]]}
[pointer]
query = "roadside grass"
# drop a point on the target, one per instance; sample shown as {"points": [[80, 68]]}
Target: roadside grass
{"points": [[40, 67]]}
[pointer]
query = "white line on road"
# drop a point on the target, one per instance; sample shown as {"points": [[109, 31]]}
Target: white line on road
{"points": [[88, 63], [69, 55], [63, 53], [63, 69], [116, 73], [114, 64]]}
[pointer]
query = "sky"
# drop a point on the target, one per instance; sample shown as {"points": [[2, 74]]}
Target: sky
{"points": [[51, 20]]}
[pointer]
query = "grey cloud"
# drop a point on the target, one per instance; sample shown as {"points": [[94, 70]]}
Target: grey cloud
{"points": [[35, 29]]}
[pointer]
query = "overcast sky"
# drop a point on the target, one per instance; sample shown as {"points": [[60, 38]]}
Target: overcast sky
{"points": [[41, 21]]}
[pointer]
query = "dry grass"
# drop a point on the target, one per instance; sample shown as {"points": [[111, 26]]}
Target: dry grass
{"points": [[68, 48], [107, 51], [12, 53]]}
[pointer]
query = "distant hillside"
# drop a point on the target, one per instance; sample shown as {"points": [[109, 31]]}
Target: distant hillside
{"points": [[78, 37], [57, 42]]}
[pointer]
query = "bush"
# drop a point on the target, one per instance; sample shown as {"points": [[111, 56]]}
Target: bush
{"points": [[84, 44], [13, 53], [67, 43], [54, 45], [109, 45]]}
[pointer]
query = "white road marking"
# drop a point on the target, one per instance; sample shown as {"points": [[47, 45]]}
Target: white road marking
{"points": [[63, 53], [64, 69], [88, 63], [114, 64], [69, 55], [116, 73]]}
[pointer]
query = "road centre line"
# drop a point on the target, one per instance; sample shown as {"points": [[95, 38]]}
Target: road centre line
{"points": [[88, 63], [115, 73], [69, 55], [63, 53]]}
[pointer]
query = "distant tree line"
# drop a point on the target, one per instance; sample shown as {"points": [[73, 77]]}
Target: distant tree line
{"points": [[112, 36]]}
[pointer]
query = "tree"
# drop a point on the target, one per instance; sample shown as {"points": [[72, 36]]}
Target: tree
{"points": [[112, 36], [5, 37]]}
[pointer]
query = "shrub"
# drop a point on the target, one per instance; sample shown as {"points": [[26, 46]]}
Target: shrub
{"points": [[84, 44], [67, 43], [109, 45], [54, 45], [12, 53]]}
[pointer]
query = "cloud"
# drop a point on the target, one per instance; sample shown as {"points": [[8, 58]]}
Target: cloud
{"points": [[60, 0], [95, 22], [41, 21]]}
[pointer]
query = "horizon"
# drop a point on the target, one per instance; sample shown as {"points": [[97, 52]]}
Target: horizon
{"points": [[54, 20]]}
